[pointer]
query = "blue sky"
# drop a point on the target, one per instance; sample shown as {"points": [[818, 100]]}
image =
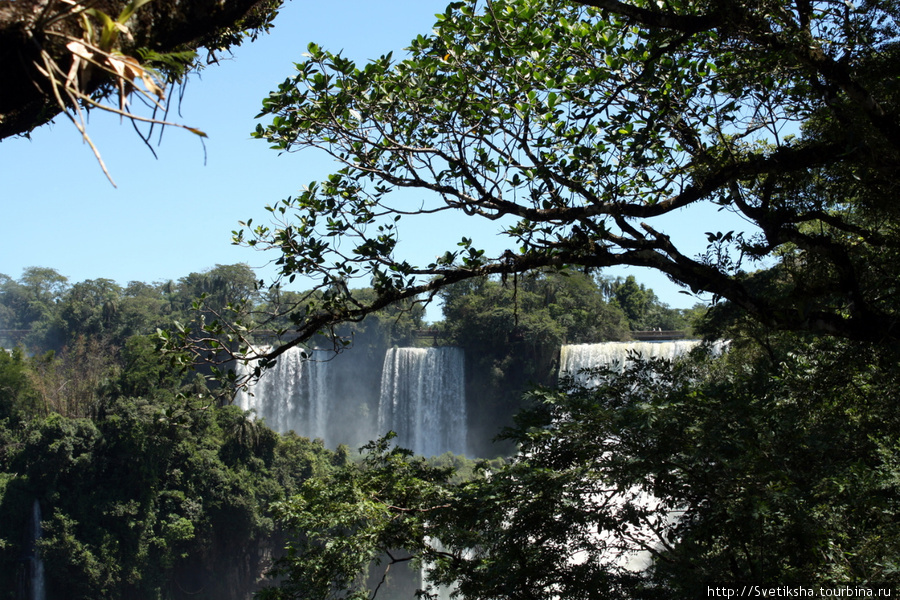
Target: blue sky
{"points": [[172, 216]]}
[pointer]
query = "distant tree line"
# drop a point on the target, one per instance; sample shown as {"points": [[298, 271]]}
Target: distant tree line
{"points": [[56, 312]]}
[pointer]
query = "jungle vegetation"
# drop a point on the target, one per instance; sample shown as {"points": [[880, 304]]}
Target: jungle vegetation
{"points": [[151, 485], [578, 127]]}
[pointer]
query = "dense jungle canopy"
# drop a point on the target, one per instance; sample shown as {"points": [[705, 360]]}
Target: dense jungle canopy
{"points": [[579, 127], [152, 485]]}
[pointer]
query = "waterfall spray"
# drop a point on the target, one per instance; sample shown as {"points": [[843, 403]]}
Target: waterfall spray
{"points": [[36, 570], [292, 395], [423, 399], [574, 360]]}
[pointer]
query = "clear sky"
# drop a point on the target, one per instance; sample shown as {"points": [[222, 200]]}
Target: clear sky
{"points": [[172, 216]]}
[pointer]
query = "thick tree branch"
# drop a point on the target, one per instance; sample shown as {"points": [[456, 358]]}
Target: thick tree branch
{"points": [[30, 29], [657, 19]]}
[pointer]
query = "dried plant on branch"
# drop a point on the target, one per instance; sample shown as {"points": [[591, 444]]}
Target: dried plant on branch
{"points": [[99, 49], [72, 56]]}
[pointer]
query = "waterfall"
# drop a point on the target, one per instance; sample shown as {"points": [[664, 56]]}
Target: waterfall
{"points": [[36, 570], [574, 358], [335, 398], [423, 399], [293, 395], [439, 592]]}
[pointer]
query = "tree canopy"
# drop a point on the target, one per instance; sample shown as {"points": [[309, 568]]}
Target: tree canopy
{"points": [[42, 311], [579, 126], [147, 487]]}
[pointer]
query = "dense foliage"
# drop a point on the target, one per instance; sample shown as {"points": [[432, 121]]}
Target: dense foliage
{"points": [[154, 496], [148, 486], [148, 500], [579, 127], [578, 130], [773, 463]]}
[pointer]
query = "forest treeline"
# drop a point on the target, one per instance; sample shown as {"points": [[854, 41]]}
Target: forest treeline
{"points": [[42, 310], [151, 484]]}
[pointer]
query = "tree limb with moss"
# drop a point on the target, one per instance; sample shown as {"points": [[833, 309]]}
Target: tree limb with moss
{"points": [[72, 56]]}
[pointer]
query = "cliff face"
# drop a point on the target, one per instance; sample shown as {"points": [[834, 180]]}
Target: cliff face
{"points": [[36, 38], [227, 570]]}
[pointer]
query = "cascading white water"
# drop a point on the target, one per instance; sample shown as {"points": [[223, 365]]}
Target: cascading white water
{"points": [[293, 395], [37, 563], [440, 592], [423, 399], [575, 358]]}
